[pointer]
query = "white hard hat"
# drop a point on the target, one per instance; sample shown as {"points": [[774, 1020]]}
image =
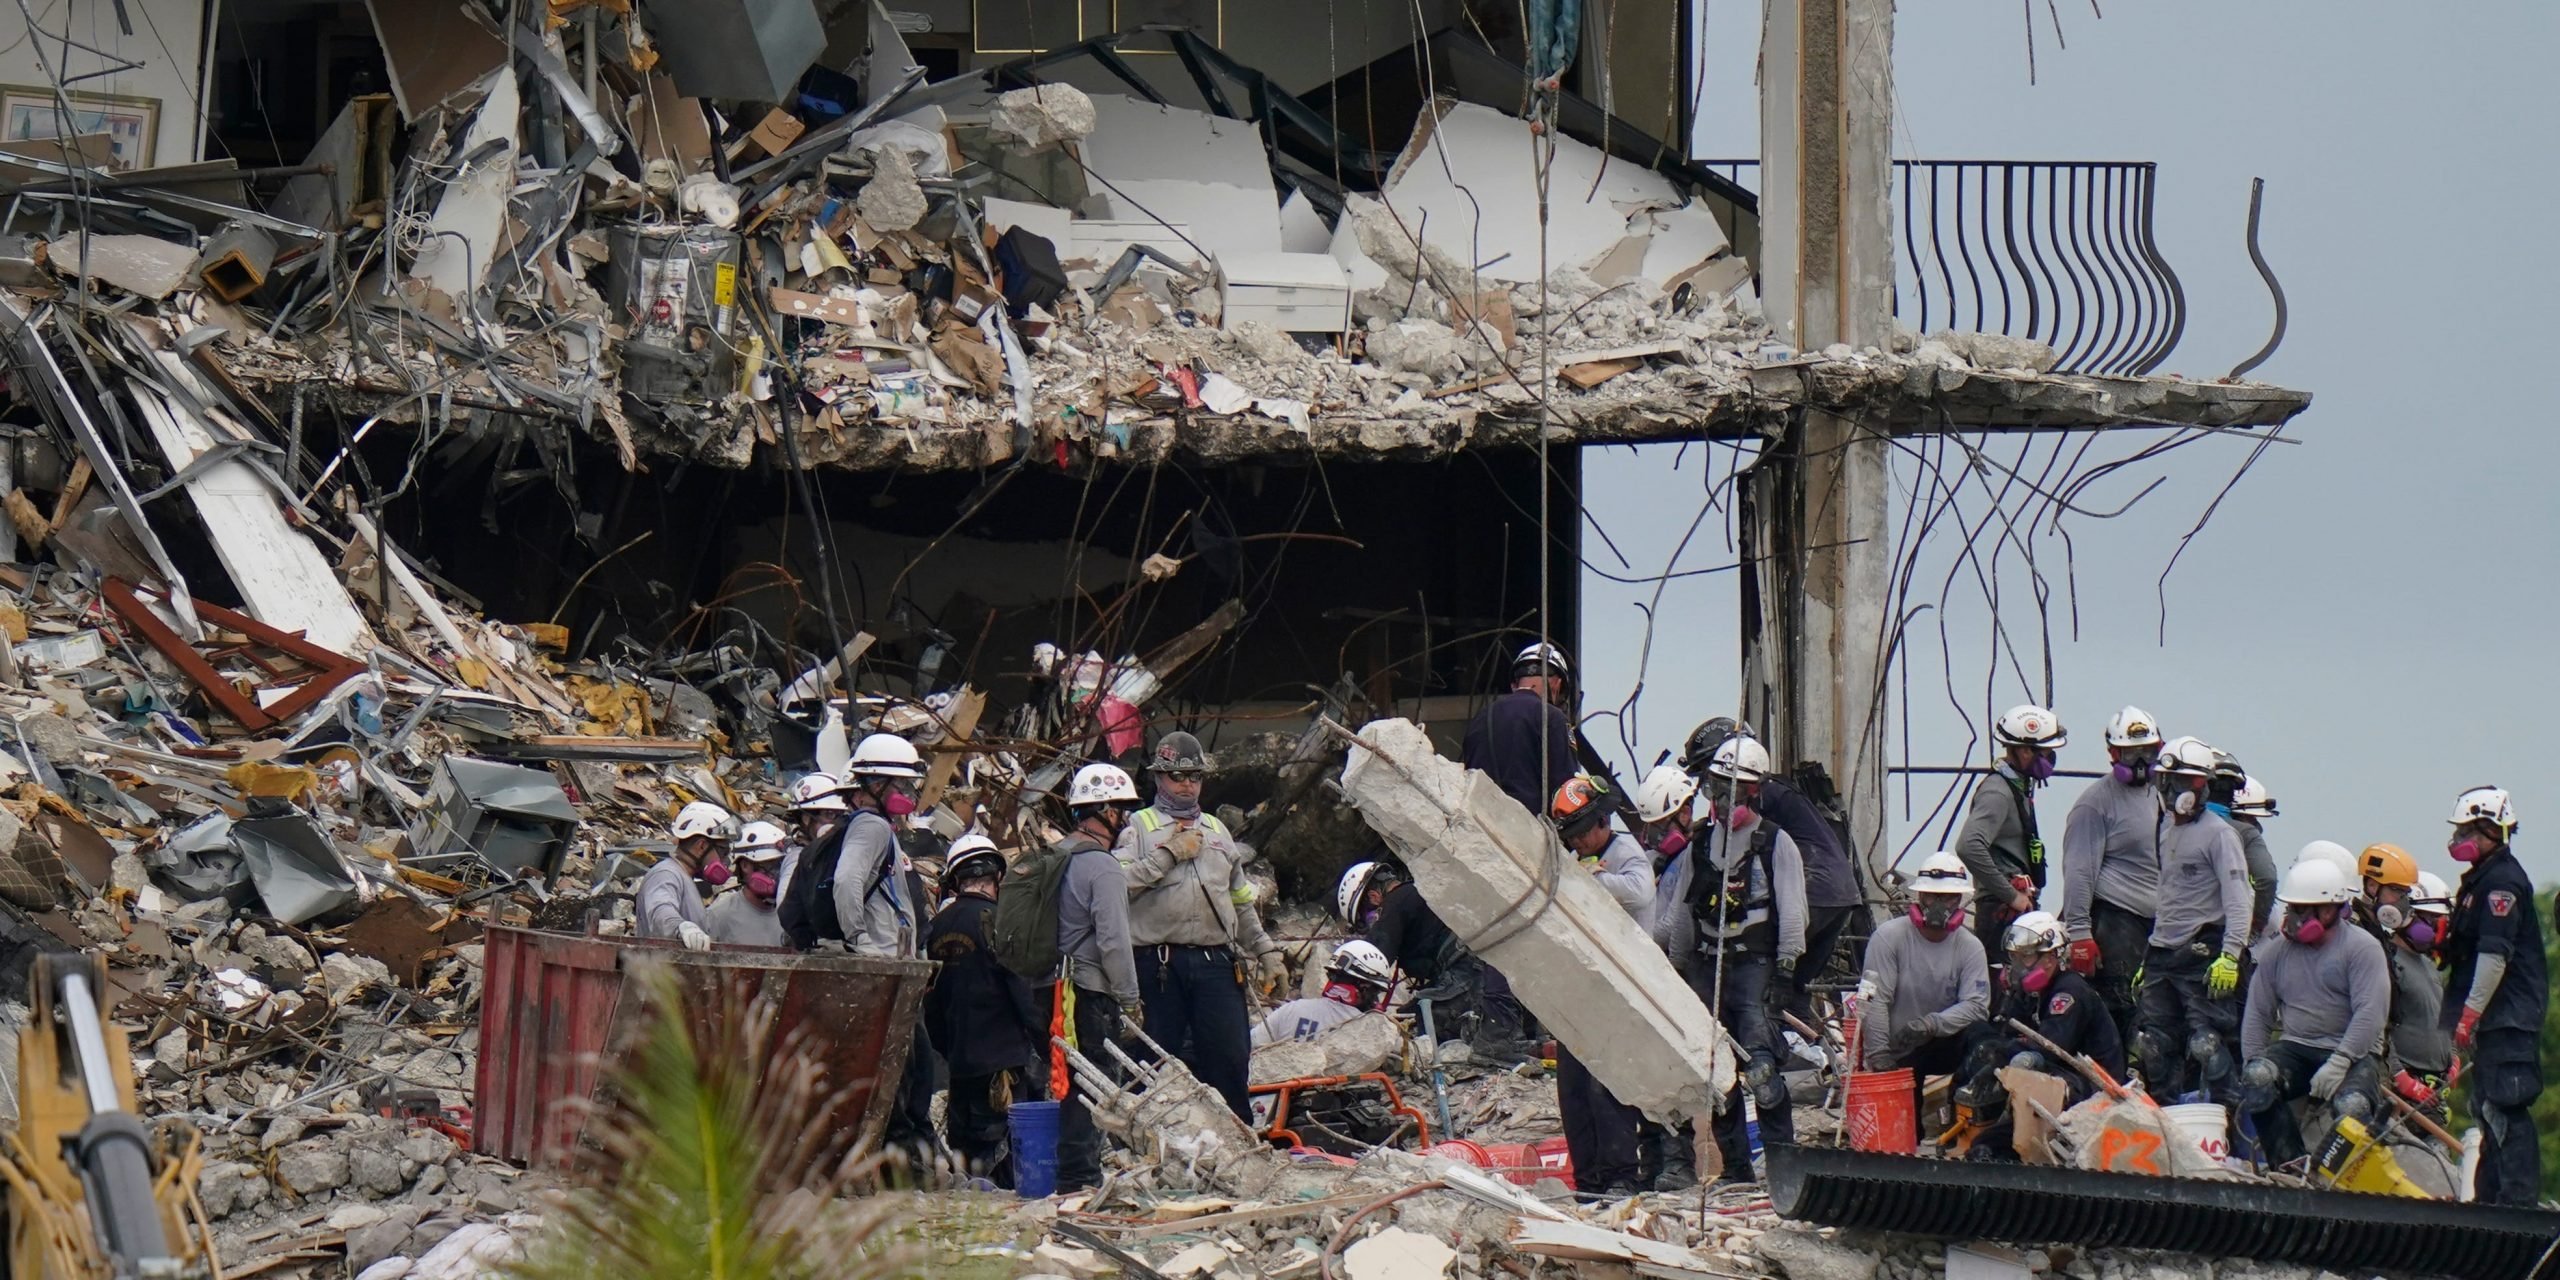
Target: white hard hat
{"points": [[703, 818], [885, 755], [2028, 725], [2434, 897], [973, 847], [2133, 727], [1942, 872], [972, 842], [2190, 756], [817, 791], [2333, 853], [2252, 800], [1101, 784], [1742, 759], [1663, 792], [2035, 931], [2484, 804], [1540, 658], [1364, 962], [760, 840], [1346, 895], [2315, 882]]}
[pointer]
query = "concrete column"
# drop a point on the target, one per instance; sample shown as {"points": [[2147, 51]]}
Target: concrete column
{"points": [[1826, 273]]}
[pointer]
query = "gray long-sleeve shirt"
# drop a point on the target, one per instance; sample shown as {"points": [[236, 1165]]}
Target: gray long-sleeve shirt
{"points": [[872, 907], [1626, 871], [1093, 922], [737, 918], [1205, 901], [2204, 881], [1993, 843], [1910, 977], [666, 898], [2111, 852], [2262, 867], [2335, 996], [1672, 927], [2417, 1005], [1780, 883]]}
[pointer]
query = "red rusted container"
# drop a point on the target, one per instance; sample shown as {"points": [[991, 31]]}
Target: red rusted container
{"points": [[552, 1015]]}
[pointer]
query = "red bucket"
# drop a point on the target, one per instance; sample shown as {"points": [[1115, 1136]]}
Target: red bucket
{"points": [[1882, 1113]]}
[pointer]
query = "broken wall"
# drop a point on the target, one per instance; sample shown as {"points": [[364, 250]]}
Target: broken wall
{"points": [[160, 91], [1298, 46]]}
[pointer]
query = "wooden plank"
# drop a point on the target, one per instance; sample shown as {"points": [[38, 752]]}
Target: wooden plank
{"points": [[1592, 373], [1258, 1213], [957, 726]]}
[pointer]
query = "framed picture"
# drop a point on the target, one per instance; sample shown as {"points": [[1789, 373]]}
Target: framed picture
{"points": [[30, 112]]}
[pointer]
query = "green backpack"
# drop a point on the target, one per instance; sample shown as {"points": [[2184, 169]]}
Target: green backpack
{"points": [[1024, 933]]}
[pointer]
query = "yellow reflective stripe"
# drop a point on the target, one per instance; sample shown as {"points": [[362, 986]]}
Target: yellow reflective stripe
{"points": [[1149, 819], [1242, 895]]}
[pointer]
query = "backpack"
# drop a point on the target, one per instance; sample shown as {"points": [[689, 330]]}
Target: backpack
{"points": [[1024, 932]]}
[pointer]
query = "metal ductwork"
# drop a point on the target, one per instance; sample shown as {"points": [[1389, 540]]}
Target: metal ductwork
{"points": [[1959, 1200]]}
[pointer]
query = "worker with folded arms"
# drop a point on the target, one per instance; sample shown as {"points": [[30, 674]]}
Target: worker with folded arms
{"points": [[2061, 1006], [2497, 993], [1193, 925], [2000, 843], [1746, 908], [2418, 1051], [667, 903], [1927, 984], [2319, 999], [1599, 1130], [743, 915], [981, 1015], [2111, 865], [1356, 981], [2189, 1006]]}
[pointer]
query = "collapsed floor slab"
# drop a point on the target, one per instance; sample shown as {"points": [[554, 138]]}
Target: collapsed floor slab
{"points": [[1497, 877]]}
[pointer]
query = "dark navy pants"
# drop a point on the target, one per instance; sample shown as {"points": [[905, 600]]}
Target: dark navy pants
{"points": [[1195, 1009]]}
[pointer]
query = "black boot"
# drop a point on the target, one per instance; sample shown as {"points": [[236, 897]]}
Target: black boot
{"points": [[1679, 1160]]}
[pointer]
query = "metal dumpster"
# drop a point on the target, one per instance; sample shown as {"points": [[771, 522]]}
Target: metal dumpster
{"points": [[552, 1015]]}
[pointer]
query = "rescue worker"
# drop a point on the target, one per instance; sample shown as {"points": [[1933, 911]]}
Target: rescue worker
{"points": [[2419, 1053], [1193, 925], [1382, 906], [1356, 981], [2319, 998], [1746, 903], [2433, 903], [2222, 796], [2497, 993], [2111, 865], [980, 1014], [1666, 803], [667, 904], [2251, 806], [1599, 1130], [1831, 894], [816, 811], [1522, 740], [849, 888], [2189, 1007], [2060, 1005], [1098, 982], [1927, 983], [2000, 844], [744, 914]]}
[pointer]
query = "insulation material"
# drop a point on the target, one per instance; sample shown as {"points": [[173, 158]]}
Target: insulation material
{"points": [[1184, 167], [1464, 185], [1573, 955]]}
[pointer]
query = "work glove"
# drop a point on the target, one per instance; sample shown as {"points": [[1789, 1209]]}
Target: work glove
{"points": [[2027, 1060], [1184, 845], [2084, 957], [1907, 1036], [2222, 977], [1134, 1014], [2333, 1073], [2465, 1030], [1270, 969], [692, 936], [1786, 969], [2414, 1089]]}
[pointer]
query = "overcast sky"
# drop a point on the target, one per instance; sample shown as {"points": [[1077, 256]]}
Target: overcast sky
{"points": [[2367, 622]]}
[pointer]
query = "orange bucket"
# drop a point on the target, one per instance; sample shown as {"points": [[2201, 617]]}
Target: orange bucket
{"points": [[1882, 1113]]}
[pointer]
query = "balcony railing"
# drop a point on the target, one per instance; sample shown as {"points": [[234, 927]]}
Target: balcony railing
{"points": [[2057, 251]]}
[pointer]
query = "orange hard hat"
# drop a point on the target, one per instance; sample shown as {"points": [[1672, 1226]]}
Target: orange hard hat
{"points": [[2388, 864]]}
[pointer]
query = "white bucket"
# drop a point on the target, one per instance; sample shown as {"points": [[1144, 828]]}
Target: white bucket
{"points": [[2206, 1124]]}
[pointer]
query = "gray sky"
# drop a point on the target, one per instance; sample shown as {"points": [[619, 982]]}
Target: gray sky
{"points": [[2364, 623]]}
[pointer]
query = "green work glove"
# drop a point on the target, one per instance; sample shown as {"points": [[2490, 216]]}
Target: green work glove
{"points": [[2222, 977]]}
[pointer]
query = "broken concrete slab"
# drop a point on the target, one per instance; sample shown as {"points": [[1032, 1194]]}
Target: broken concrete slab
{"points": [[1040, 117], [145, 265], [1496, 875], [1398, 1254], [1187, 167]]}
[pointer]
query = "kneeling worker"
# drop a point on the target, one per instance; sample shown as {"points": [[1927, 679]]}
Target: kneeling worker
{"points": [[1927, 982], [2319, 998], [2062, 1006], [1356, 980]]}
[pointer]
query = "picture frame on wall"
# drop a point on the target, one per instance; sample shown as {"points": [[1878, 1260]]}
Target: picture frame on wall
{"points": [[132, 124]]}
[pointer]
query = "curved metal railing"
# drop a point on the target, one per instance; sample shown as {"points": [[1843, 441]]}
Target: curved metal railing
{"points": [[2058, 251]]}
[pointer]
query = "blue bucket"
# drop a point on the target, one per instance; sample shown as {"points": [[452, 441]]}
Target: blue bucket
{"points": [[1034, 1128]]}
